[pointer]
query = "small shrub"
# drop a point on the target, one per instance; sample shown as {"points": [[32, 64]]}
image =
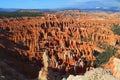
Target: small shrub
{"points": [[104, 57], [116, 29]]}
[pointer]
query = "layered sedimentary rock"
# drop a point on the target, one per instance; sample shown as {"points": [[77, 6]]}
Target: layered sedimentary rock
{"points": [[69, 43]]}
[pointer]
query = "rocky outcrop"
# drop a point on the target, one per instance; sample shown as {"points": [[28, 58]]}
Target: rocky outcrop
{"points": [[95, 74], [69, 43], [43, 74], [113, 65]]}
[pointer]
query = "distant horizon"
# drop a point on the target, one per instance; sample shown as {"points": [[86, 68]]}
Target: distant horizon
{"points": [[57, 8], [57, 4]]}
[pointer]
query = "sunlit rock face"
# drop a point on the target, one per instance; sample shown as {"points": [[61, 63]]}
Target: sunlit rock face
{"points": [[113, 65], [95, 74], [56, 44]]}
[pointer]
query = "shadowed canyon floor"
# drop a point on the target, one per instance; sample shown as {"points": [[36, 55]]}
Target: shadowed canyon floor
{"points": [[58, 45]]}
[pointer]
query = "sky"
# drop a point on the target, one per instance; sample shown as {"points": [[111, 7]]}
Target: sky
{"points": [[53, 4]]}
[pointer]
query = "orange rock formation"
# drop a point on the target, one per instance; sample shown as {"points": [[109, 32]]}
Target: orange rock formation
{"points": [[69, 42]]}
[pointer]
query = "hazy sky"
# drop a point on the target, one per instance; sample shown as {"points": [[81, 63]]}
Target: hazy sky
{"points": [[39, 4]]}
